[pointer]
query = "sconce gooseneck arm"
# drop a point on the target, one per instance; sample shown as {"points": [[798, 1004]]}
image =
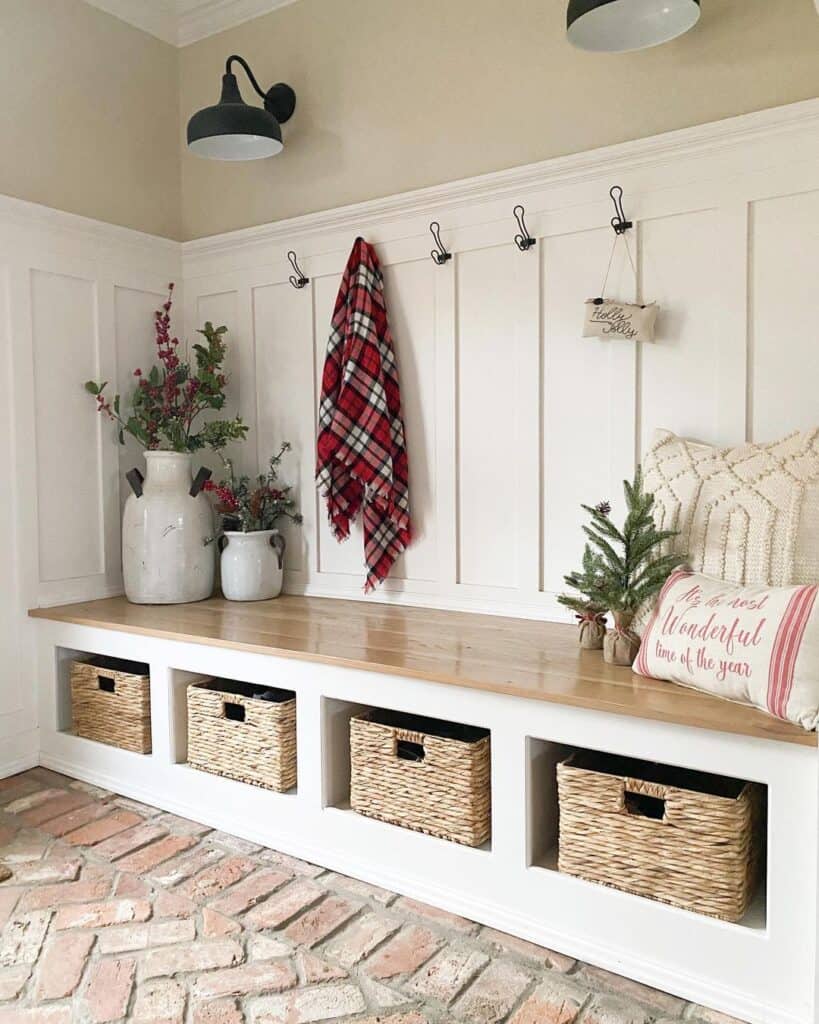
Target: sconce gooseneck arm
{"points": [[240, 60]]}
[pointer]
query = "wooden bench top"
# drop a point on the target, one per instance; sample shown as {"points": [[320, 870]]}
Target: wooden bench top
{"points": [[520, 657]]}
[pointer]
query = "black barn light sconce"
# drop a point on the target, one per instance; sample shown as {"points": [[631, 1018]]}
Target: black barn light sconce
{"points": [[617, 26], [235, 130]]}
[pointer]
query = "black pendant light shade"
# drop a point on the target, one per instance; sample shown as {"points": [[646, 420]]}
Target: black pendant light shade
{"points": [[235, 130], [616, 26]]}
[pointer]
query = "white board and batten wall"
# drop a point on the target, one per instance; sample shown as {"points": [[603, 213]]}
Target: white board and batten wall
{"points": [[512, 419], [76, 298]]}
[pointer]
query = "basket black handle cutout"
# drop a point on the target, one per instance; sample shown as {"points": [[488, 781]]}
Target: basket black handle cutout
{"points": [[405, 750], [106, 683], [642, 806], [234, 712]]}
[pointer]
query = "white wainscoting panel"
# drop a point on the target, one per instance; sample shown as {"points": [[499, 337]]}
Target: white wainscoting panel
{"points": [[683, 269], [71, 527], [580, 424], [784, 349], [135, 348], [221, 308], [332, 558], [488, 418], [282, 319], [410, 295]]}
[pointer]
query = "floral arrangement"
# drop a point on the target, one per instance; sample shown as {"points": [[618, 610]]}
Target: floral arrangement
{"points": [[170, 398], [247, 504]]}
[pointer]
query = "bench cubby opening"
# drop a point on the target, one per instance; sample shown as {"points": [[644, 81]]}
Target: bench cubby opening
{"points": [[64, 657], [401, 744], [542, 759], [616, 809], [239, 730], [103, 699], [425, 774], [335, 748]]}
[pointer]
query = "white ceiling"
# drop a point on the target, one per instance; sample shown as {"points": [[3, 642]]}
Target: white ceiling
{"points": [[184, 21]]}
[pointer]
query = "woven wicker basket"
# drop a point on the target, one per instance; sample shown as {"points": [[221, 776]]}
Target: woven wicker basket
{"points": [[111, 702], [685, 838], [233, 732], [424, 774]]}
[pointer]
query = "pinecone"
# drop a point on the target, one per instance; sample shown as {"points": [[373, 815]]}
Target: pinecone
{"points": [[603, 508]]}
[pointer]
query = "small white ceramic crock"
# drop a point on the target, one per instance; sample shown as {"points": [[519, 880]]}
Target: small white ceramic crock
{"points": [[252, 565]]}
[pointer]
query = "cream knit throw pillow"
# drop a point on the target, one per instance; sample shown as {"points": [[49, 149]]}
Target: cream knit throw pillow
{"points": [[748, 514]]}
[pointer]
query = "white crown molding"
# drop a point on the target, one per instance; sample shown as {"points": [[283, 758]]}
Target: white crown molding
{"points": [[181, 22], [199, 19], [21, 213], [156, 17], [791, 119]]}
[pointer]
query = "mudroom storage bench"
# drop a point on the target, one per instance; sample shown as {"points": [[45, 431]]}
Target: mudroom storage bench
{"points": [[530, 701]]}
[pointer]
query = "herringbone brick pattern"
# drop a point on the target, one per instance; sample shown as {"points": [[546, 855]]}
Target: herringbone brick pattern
{"points": [[116, 911]]}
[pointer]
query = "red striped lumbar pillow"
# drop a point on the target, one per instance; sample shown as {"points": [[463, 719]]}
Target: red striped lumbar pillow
{"points": [[754, 644]]}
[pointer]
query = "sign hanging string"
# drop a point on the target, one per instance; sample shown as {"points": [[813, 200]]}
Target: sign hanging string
{"points": [[611, 259]]}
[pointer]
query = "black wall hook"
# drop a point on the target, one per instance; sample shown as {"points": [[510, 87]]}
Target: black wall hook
{"points": [[523, 240], [439, 254], [618, 221], [298, 280]]}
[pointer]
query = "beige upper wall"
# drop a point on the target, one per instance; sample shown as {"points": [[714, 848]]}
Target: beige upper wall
{"points": [[396, 95], [393, 95], [89, 119]]}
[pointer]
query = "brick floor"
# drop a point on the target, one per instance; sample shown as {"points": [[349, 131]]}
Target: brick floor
{"points": [[115, 911]]}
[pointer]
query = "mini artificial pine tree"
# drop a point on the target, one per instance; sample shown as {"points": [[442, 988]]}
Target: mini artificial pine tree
{"points": [[585, 601], [628, 565]]}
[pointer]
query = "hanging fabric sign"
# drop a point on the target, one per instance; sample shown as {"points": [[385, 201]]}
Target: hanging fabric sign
{"points": [[609, 318], [606, 318]]}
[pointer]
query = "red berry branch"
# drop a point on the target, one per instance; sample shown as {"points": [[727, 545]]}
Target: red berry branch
{"points": [[169, 400], [256, 503]]}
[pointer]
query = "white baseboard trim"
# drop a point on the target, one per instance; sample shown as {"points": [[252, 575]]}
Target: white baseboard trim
{"points": [[544, 609], [23, 755]]}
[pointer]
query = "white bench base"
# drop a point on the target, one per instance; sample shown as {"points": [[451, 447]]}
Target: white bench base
{"points": [[762, 970]]}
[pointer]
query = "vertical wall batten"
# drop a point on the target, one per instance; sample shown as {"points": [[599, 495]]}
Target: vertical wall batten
{"points": [[527, 316], [733, 343], [446, 422]]}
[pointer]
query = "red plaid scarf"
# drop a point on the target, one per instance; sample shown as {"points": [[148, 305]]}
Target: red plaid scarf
{"points": [[361, 455]]}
